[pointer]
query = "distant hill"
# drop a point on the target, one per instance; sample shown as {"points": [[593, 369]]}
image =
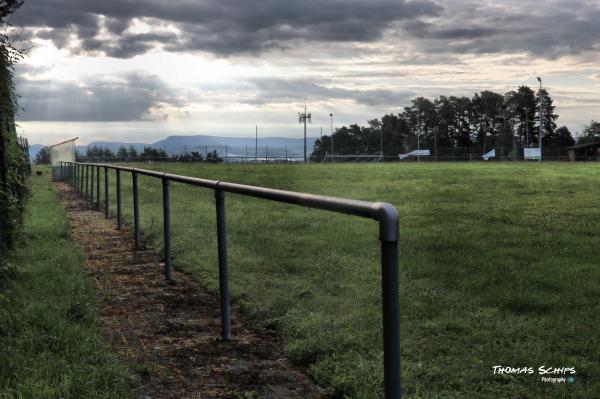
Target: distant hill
{"points": [[234, 146]]}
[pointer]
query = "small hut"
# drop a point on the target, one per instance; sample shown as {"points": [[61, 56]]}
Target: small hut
{"points": [[584, 152]]}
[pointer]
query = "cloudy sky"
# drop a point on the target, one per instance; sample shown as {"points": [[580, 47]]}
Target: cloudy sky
{"points": [[139, 70]]}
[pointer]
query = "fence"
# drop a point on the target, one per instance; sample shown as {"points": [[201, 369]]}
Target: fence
{"points": [[82, 177]]}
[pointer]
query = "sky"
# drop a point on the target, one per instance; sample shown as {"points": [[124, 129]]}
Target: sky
{"points": [[140, 70]]}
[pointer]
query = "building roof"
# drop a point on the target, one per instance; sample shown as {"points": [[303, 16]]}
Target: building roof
{"points": [[578, 146]]}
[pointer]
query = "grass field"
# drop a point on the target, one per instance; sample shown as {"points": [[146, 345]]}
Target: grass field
{"points": [[49, 347], [499, 266]]}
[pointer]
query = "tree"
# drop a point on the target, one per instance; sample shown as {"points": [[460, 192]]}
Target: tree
{"points": [[213, 157], [559, 139], [132, 153], [591, 133], [43, 156], [549, 117], [122, 153]]}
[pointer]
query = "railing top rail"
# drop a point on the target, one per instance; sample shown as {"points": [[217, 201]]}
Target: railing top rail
{"points": [[385, 213]]}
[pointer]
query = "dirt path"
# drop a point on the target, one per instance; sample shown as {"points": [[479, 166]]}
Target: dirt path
{"points": [[172, 331]]}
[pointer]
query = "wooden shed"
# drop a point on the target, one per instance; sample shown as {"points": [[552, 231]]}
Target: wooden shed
{"points": [[584, 152]]}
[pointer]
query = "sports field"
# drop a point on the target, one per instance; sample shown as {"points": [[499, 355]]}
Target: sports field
{"points": [[498, 266]]}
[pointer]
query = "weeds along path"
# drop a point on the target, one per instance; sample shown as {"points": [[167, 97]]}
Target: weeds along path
{"points": [[171, 332]]}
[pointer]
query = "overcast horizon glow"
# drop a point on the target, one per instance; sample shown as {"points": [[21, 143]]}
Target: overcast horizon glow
{"points": [[138, 71]]}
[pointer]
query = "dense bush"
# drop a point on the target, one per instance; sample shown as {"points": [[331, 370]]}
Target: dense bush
{"points": [[14, 158]]}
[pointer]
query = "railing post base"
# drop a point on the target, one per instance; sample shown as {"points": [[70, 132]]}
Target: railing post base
{"points": [[223, 274], [167, 228]]}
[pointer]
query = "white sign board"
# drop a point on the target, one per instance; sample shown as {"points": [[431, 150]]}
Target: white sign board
{"points": [[489, 154], [531, 153]]}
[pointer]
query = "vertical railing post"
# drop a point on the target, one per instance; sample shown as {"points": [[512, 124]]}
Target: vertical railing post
{"points": [[98, 205], [82, 179], [389, 236], [119, 218], [136, 209], [87, 178], [106, 193], [92, 180], [75, 177], [167, 227], [223, 277]]}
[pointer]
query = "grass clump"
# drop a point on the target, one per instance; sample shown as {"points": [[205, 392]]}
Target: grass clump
{"points": [[49, 346], [498, 266]]}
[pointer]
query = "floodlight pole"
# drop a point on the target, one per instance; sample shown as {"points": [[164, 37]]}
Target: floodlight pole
{"points": [[303, 117], [304, 133], [541, 115], [418, 137], [381, 139], [331, 136]]}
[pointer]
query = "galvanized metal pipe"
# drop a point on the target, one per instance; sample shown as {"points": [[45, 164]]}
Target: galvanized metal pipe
{"points": [[384, 213], [167, 227], [87, 186], [223, 273], [106, 194], [98, 205], [119, 210], [92, 180], [81, 181], [136, 210], [391, 319]]}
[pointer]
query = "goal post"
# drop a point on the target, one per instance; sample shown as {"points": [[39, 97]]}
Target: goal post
{"points": [[61, 152]]}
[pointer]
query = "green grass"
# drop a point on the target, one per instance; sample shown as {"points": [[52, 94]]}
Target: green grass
{"points": [[49, 346], [498, 266]]}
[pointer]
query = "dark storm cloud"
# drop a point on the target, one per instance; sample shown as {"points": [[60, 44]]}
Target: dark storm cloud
{"points": [[128, 98], [275, 90], [222, 27], [548, 29]]}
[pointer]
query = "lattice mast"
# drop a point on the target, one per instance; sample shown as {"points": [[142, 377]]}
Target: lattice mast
{"points": [[303, 117]]}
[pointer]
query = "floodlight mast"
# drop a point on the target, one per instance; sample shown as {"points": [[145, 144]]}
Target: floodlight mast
{"points": [[541, 115], [331, 136], [302, 118]]}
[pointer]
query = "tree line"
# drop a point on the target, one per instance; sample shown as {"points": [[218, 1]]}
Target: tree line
{"points": [[97, 153], [457, 126]]}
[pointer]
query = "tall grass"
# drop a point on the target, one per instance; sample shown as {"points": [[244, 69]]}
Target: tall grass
{"points": [[499, 266], [49, 346]]}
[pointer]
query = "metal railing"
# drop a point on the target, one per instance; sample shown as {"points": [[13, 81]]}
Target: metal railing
{"points": [[82, 176]]}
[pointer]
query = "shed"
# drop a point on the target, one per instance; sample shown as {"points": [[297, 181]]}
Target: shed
{"points": [[584, 152]]}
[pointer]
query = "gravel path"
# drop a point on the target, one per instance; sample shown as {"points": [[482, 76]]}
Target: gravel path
{"points": [[171, 332]]}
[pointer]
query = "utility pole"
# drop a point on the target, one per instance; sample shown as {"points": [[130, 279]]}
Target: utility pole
{"points": [[418, 137], [541, 115], [256, 145], [331, 136], [381, 140], [527, 126], [302, 118]]}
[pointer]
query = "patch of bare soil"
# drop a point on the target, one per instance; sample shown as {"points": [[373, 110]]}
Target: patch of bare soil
{"points": [[172, 331]]}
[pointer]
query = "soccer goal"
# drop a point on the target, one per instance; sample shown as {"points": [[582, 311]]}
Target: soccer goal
{"points": [[61, 152]]}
